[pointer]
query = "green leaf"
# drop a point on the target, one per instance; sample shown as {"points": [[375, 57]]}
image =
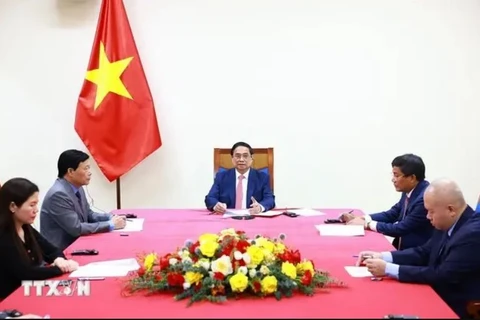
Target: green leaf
{"points": [[278, 295]]}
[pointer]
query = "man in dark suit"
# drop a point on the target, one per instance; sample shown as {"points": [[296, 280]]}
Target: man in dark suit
{"points": [[407, 220], [241, 187], [449, 261], [66, 214]]}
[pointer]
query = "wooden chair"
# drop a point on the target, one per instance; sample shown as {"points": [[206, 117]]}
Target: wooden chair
{"points": [[473, 309], [262, 161]]}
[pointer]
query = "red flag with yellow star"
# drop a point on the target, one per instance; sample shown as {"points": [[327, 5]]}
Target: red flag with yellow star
{"points": [[115, 115]]}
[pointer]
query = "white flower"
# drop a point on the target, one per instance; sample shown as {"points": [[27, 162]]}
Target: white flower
{"points": [[243, 270], [205, 264], [187, 260], [252, 273], [186, 285], [238, 255], [222, 265], [210, 273], [246, 258], [264, 270], [172, 261]]}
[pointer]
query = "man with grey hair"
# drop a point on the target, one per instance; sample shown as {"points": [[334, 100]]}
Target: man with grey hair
{"points": [[449, 261]]}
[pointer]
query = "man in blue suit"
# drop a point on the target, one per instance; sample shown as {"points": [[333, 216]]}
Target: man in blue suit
{"points": [[449, 261], [241, 187], [407, 220]]}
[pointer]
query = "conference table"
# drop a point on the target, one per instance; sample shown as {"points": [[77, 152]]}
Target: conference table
{"points": [[166, 230]]}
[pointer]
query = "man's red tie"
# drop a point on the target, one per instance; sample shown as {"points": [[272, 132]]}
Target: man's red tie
{"points": [[239, 194]]}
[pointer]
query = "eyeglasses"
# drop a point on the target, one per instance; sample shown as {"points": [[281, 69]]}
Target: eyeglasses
{"points": [[241, 156]]}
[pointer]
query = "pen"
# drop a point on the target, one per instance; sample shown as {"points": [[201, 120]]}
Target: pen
{"points": [[91, 279]]}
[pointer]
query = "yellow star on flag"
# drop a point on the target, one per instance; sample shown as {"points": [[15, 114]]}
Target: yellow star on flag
{"points": [[107, 77]]}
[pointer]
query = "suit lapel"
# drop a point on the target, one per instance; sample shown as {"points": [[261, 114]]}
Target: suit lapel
{"points": [[232, 186], [252, 184], [78, 208], [443, 247]]}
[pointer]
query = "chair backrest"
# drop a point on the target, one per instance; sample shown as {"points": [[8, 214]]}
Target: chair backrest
{"points": [[473, 309], [262, 161]]}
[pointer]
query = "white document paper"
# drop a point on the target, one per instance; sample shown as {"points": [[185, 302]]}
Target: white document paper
{"points": [[132, 225], [236, 213], [340, 230], [358, 272], [306, 212], [112, 268]]}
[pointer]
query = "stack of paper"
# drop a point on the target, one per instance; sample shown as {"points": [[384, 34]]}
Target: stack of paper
{"points": [[132, 225], [112, 268], [358, 272], [340, 230]]}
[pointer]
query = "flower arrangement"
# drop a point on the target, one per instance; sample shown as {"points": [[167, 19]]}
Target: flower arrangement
{"points": [[227, 264]]}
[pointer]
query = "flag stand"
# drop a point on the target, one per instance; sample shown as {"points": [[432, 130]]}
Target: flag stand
{"points": [[119, 202]]}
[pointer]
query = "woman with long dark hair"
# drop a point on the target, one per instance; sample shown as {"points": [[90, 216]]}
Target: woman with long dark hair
{"points": [[26, 254]]}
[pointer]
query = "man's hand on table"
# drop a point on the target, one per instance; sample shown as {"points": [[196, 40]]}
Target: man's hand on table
{"points": [[255, 207], [360, 221], [346, 217], [365, 255], [219, 208], [119, 222]]}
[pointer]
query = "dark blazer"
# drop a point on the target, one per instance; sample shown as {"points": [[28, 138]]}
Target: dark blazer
{"points": [[224, 189], [454, 271], [63, 218], [414, 229], [17, 266]]}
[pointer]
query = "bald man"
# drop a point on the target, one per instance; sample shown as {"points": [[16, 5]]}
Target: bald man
{"points": [[450, 260]]}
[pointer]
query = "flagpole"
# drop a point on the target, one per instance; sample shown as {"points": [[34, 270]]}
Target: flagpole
{"points": [[119, 201]]}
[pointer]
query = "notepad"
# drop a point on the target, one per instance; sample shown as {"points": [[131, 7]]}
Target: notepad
{"points": [[132, 225], [340, 230], [358, 272], [110, 268]]}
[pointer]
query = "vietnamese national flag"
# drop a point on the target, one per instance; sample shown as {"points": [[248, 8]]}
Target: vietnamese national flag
{"points": [[115, 115]]}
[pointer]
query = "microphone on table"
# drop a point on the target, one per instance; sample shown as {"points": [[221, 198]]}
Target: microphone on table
{"points": [[400, 316]]}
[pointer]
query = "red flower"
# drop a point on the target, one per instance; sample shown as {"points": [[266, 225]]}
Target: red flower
{"points": [[218, 276], [257, 286], [242, 246], [175, 279], [194, 246], [164, 263], [290, 256], [141, 271], [306, 278]]}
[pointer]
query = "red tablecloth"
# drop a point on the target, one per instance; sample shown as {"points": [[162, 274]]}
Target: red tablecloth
{"points": [[165, 230]]}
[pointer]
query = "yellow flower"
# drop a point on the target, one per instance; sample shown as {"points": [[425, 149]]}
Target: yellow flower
{"points": [[238, 282], [208, 237], [193, 277], [208, 248], [149, 261], [304, 266], [265, 243], [289, 270], [269, 284], [256, 255], [269, 257], [279, 248]]}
